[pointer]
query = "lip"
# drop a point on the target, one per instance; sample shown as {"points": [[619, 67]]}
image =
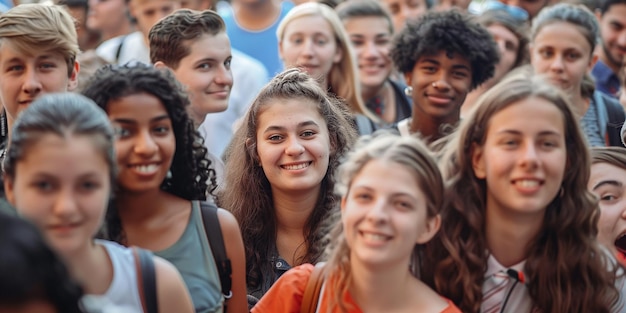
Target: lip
{"points": [[296, 166], [149, 169], [374, 238], [371, 68], [63, 228], [220, 93], [620, 242], [439, 99], [527, 185], [25, 102]]}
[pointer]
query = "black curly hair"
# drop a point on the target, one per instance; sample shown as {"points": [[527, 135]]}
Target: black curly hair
{"points": [[191, 169], [31, 271], [449, 31]]}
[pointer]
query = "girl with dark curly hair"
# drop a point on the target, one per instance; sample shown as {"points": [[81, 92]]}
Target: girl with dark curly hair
{"points": [[443, 56], [279, 175], [519, 232], [59, 174], [392, 192], [163, 176]]}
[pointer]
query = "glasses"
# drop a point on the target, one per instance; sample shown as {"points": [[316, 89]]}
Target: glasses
{"points": [[515, 12]]}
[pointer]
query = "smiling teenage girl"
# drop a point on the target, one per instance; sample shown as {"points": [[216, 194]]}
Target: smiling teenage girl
{"points": [[59, 172], [392, 192], [279, 173], [520, 230]]}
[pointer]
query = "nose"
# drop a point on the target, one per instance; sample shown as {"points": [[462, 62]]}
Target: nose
{"points": [[557, 64], [31, 84], [441, 83], [294, 147], [145, 144], [530, 157], [621, 39], [65, 203], [370, 51], [224, 76], [307, 48], [378, 211]]}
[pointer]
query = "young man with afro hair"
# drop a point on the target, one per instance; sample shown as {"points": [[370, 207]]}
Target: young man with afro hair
{"points": [[443, 56]]}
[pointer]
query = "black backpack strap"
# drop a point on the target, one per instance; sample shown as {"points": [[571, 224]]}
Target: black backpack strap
{"points": [[216, 241], [146, 278], [616, 118]]}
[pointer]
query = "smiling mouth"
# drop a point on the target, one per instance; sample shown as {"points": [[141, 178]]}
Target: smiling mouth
{"points": [[297, 166], [620, 243]]}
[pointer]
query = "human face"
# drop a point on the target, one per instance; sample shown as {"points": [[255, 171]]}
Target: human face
{"points": [[508, 44], [310, 44], [531, 6], [403, 10], [206, 74], [293, 145], [385, 215], [26, 76], [561, 53], [613, 35], [443, 5], [149, 12], [145, 143], [608, 182], [198, 5], [107, 16], [440, 85], [523, 159], [371, 39], [62, 185]]}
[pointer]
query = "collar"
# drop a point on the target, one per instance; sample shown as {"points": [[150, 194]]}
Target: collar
{"points": [[602, 73], [403, 127], [494, 267]]}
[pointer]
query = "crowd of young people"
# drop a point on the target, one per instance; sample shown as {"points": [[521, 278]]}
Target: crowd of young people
{"points": [[385, 157]]}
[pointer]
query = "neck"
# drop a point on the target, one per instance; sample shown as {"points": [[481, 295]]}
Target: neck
{"points": [[90, 267], [471, 98], [123, 29], [579, 104], [509, 237], [428, 127], [257, 15], [370, 92], [132, 206], [293, 209], [381, 289]]}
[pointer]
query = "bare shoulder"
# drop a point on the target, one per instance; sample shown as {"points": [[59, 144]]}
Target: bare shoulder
{"points": [[172, 292]]}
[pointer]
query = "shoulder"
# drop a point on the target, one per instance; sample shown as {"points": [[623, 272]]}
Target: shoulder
{"points": [[171, 290], [286, 294]]}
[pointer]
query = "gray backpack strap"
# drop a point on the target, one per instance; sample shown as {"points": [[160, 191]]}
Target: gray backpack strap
{"points": [[363, 124]]}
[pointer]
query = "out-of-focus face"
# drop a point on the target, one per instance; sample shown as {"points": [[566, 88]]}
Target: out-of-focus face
{"points": [[531, 6], [613, 35], [403, 10], [198, 5], [149, 12], [371, 39], [508, 45], [25, 77], [608, 182], [310, 44], [107, 15], [561, 53], [443, 5], [63, 186], [385, 215]]}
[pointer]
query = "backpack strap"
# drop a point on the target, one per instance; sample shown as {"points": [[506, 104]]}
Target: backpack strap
{"points": [[146, 279], [616, 118], [364, 125], [213, 232], [313, 289]]}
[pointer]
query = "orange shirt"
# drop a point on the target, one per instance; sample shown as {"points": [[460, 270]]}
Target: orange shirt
{"points": [[286, 295]]}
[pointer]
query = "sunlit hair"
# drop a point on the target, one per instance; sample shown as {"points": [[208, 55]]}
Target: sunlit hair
{"points": [[248, 194], [615, 156], [343, 79], [171, 37], [414, 156], [36, 27], [575, 14], [363, 8], [191, 171], [32, 271], [66, 115], [582, 280]]}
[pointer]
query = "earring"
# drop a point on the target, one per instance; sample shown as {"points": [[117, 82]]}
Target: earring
{"points": [[168, 175], [408, 91]]}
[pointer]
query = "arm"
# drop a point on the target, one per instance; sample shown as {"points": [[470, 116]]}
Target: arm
{"points": [[236, 254], [172, 293]]}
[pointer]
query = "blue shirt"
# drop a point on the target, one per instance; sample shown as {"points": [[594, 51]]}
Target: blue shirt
{"points": [[607, 81], [259, 44]]}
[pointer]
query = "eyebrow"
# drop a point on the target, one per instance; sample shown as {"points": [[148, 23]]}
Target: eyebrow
{"points": [[131, 121], [455, 66], [541, 133], [607, 182], [300, 125]]}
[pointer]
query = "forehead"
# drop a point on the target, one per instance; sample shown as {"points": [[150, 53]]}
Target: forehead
{"points": [[209, 45], [307, 24], [445, 57], [146, 4], [616, 12], [11, 51], [367, 24], [562, 33], [605, 171], [288, 111]]}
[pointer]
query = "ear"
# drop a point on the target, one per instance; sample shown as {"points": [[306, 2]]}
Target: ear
{"points": [[432, 227], [530, 53], [598, 14], [9, 189], [160, 65], [73, 81], [343, 203], [253, 152], [592, 62], [407, 77], [478, 162], [338, 55]]}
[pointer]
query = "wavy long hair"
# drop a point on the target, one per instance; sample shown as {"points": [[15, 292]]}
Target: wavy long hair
{"points": [[248, 194], [415, 157], [567, 270]]}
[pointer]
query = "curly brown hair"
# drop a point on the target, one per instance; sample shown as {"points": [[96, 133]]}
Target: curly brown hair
{"points": [[566, 268]]}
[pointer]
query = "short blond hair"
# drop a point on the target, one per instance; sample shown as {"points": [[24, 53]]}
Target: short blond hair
{"points": [[37, 27]]}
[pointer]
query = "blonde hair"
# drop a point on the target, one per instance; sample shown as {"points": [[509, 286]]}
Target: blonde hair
{"points": [[342, 79], [415, 157], [37, 27]]}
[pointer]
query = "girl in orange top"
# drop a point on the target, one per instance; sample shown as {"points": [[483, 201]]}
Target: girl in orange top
{"points": [[392, 192]]}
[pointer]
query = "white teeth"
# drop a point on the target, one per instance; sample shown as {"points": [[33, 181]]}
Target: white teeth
{"points": [[374, 237], [296, 167], [146, 168], [528, 183]]}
